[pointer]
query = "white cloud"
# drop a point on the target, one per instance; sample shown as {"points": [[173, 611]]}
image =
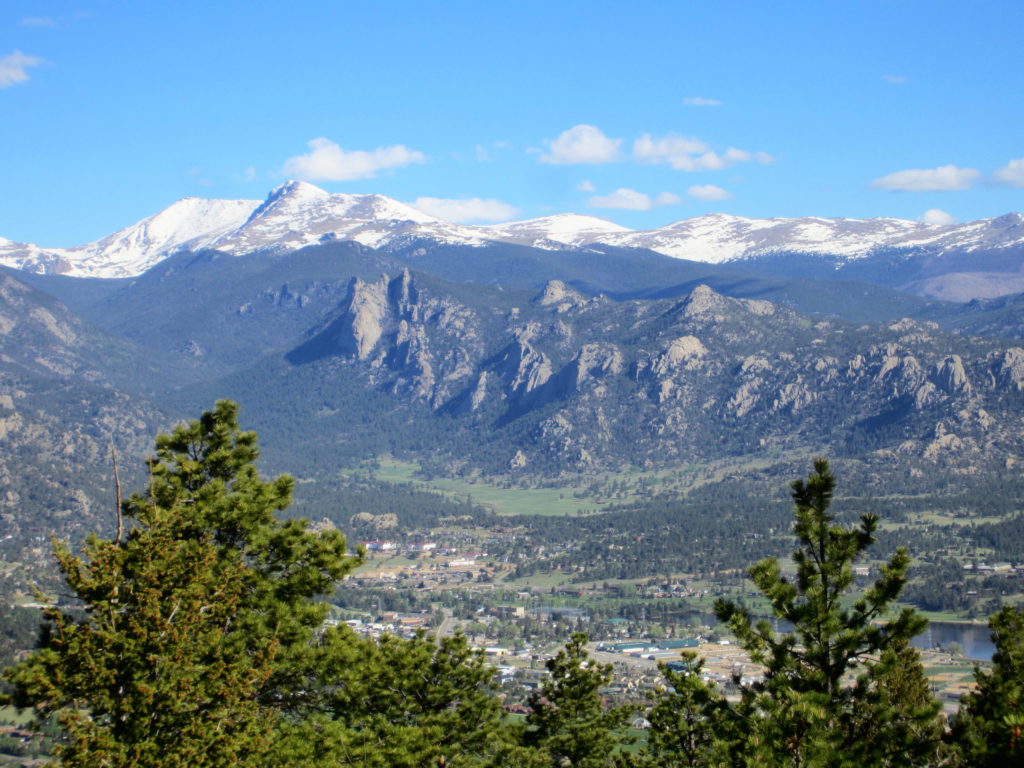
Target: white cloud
{"points": [[685, 153], [586, 186], [250, 174], [1012, 174], [38, 21], [764, 158], [631, 200], [936, 216], [945, 178], [482, 155], [466, 210], [326, 161], [895, 79], [707, 192], [700, 101], [624, 199], [13, 66], [582, 144], [667, 149]]}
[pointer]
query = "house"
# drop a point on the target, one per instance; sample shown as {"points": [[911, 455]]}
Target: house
{"points": [[509, 611]]}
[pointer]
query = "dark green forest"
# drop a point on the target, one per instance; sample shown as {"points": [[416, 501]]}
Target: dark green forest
{"points": [[198, 636]]}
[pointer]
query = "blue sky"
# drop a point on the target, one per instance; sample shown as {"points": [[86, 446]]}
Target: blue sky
{"points": [[640, 112]]}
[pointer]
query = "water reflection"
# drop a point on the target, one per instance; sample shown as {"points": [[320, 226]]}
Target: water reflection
{"points": [[975, 640]]}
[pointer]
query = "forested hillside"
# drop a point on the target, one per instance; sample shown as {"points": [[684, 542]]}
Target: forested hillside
{"points": [[478, 363], [202, 642]]}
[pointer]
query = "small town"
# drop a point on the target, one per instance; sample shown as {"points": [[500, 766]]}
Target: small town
{"points": [[511, 385]]}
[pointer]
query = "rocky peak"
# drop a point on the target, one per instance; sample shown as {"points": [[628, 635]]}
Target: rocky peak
{"points": [[370, 309], [703, 304], [288, 195], [403, 295], [951, 377], [1009, 371], [366, 308], [558, 295], [1008, 220]]}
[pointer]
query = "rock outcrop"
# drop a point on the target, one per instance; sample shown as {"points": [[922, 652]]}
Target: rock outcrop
{"points": [[559, 297], [362, 322], [951, 377], [662, 377]]}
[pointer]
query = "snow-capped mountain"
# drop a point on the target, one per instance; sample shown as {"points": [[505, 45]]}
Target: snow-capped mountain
{"points": [[294, 215], [564, 229], [298, 214], [718, 238], [187, 224]]}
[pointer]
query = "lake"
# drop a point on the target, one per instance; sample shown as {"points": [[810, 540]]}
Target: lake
{"points": [[974, 639]]}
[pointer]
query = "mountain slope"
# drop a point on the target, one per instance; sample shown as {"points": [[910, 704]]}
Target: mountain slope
{"points": [[717, 238], [64, 401], [339, 353], [565, 229], [564, 382], [981, 258], [210, 313], [188, 223]]}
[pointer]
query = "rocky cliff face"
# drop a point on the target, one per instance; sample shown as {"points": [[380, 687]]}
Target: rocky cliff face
{"points": [[478, 378], [411, 344], [672, 380]]}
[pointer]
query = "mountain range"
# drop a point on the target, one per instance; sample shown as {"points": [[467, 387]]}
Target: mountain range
{"points": [[351, 327], [978, 259]]}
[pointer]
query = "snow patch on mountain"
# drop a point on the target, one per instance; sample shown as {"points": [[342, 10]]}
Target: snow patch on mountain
{"points": [[718, 238], [298, 214], [564, 229], [189, 223], [186, 225]]}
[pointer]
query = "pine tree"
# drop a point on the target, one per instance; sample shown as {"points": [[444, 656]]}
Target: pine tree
{"points": [[989, 730], [569, 722], [206, 471], [198, 630], [401, 703], [895, 719], [833, 675], [692, 724]]}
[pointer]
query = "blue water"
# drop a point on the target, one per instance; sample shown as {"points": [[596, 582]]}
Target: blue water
{"points": [[976, 640]]}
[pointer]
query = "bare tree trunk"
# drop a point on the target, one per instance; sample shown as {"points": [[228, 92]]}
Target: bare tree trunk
{"points": [[117, 491]]}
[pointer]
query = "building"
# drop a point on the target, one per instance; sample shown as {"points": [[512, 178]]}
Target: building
{"points": [[381, 546]]}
